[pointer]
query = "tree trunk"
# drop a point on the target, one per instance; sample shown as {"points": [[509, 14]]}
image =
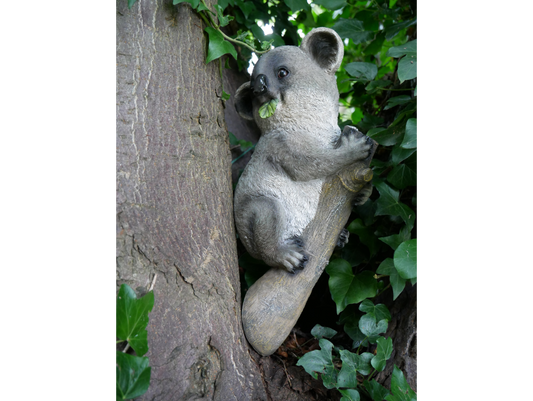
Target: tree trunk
{"points": [[174, 206]]}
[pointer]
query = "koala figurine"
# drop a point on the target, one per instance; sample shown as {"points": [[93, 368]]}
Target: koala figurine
{"points": [[301, 145]]}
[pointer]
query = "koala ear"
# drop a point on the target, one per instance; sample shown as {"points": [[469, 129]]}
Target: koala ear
{"points": [[243, 101], [325, 47]]}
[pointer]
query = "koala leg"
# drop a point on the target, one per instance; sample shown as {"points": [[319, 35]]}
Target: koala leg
{"points": [[343, 238], [263, 228]]}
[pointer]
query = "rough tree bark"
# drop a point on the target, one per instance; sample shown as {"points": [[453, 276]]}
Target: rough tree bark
{"points": [[174, 206]]}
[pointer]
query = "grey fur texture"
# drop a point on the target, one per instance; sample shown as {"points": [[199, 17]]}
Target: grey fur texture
{"points": [[301, 145]]}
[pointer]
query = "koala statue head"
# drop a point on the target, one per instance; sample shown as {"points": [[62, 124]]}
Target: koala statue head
{"points": [[300, 83]]}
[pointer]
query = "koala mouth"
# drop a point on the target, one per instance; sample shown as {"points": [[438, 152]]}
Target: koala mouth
{"points": [[268, 108]]}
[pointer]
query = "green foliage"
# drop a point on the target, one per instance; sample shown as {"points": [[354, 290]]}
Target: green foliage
{"points": [[321, 361], [401, 391], [405, 259], [356, 369], [352, 29], [218, 46], [133, 376], [383, 352], [407, 65], [133, 373], [364, 72], [347, 288]]}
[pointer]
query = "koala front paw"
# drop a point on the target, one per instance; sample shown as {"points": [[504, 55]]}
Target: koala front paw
{"points": [[358, 142], [292, 256]]}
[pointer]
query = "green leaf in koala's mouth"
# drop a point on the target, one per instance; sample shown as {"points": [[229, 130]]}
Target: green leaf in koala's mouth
{"points": [[268, 108]]}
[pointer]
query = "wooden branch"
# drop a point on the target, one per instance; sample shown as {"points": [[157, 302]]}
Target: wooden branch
{"points": [[274, 303]]}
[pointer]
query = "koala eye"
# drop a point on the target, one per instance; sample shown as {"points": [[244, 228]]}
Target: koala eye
{"points": [[282, 73]]}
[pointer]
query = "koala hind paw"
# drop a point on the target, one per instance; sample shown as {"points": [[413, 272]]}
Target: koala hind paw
{"points": [[292, 256], [343, 238]]}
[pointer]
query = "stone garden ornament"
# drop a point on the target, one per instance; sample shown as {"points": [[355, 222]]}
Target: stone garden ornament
{"points": [[296, 193]]}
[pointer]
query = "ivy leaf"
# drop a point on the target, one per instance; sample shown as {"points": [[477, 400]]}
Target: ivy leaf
{"points": [[376, 45], [379, 311], [246, 7], [396, 239], [392, 30], [132, 318], [407, 68], [407, 65], [365, 235], [222, 19], [375, 390], [397, 100], [374, 86], [409, 140], [353, 29], [371, 328], [225, 96], [224, 3], [267, 44], [351, 364], [388, 204], [320, 332], [331, 4], [350, 395], [383, 353], [401, 391], [131, 3], [297, 5], [405, 259], [351, 327], [402, 176], [362, 71], [346, 288], [357, 115], [348, 374], [397, 283], [320, 361], [369, 122], [268, 108], [399, 154], [404, 50], [133, 376], [386, 136], [218, 46]]}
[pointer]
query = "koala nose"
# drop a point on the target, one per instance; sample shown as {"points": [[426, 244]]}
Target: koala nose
{"points": [[260, 84]]}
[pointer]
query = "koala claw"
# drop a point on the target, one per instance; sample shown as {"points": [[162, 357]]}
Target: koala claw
{"points": [[348, 129], [343, 238], [358, 142], [302, 263], [292, 255]]}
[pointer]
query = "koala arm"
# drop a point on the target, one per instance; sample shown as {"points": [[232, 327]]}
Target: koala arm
{"points": [[307, 161]]}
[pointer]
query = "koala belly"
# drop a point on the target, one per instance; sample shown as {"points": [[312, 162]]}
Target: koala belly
{"points": [[295, 202], [299, 199]]}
